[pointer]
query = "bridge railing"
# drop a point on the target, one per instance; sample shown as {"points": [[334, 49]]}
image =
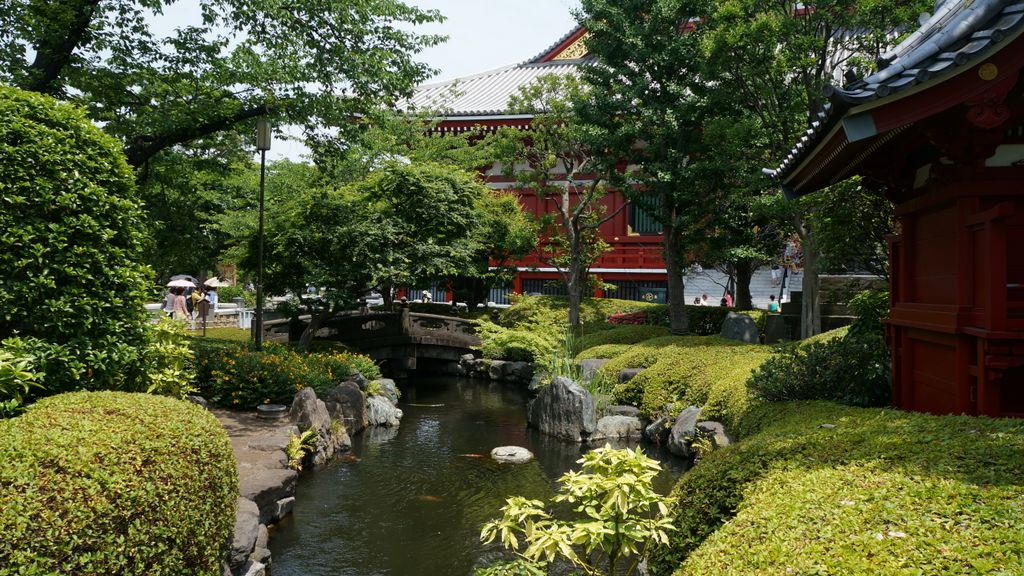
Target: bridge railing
{"points": [[361, 329]]}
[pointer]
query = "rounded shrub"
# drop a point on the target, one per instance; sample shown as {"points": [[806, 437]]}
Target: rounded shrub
{"points": [[73, 286], [97, 483]]}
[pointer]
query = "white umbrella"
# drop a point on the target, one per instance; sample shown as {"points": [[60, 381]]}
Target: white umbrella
{"points": [[215, 282], [180, 284]]}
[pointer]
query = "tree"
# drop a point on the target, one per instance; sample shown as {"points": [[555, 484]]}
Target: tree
{"points": [[770, 62], [568, 166], [643, 99], [73, 284], [621, 512], [853, 225], [309, 62]]}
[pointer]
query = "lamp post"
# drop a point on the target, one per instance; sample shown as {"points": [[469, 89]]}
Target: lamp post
{"points": [[262, 144]]}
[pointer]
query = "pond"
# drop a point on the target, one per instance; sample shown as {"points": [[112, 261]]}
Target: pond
{"points": [[411, 501]]}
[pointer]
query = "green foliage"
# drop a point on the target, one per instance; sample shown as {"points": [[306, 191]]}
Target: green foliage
{"points": [[619, 512], [604, 351], [705, 371], [17, 377], [236, 376], [229, 293], [515, 345], [299, 445], [73, 288], [113, 483], [170, 361], [875, 494], [622, 335], [155, 91], [851, 367], [852, 224]]}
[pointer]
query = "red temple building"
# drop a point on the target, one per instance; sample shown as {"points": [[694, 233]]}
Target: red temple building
{"points": [[634, 264], [939, 129]]}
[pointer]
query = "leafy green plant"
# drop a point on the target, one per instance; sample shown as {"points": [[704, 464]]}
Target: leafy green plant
{"points": [[374, 388], [71, 247], [228, 293], [619, 512], [299, 445], [115, 483], [17, 377], [170, 360]]}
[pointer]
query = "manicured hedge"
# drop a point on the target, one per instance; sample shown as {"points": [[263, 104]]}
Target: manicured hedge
{"points": [[100, 483], [622, 335], [604, 351], [73, 283], [705, 371], [881, 492]]}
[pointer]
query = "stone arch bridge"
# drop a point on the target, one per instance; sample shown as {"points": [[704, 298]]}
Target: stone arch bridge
{"points": [[396, 340]]}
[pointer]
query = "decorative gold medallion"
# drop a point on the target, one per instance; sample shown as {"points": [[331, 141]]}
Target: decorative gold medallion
{"points": [[988, 71]]}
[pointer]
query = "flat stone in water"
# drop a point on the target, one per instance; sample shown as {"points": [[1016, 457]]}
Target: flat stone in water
{"points": [[512, 454]]}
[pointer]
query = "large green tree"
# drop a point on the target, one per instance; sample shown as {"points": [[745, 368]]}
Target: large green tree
{"points": [[308, 62]]}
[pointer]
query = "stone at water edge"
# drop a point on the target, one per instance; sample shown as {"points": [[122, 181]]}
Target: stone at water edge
{"points": [[310, 412], [247, 529], [346, 403], [622, 410], [390, 390], [511, 454], [715, 431], [683, 432], [658, 431], [380, 412], [618, 428], [564, 409]]}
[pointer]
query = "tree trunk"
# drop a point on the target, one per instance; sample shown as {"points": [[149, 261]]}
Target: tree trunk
{"points": [[810, 313], [575, 282], [744, 272], [316, 321], [678, 322]]}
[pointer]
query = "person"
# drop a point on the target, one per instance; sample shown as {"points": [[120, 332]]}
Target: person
{"points": [[773, 306], [776, 274], [728, 299], [180, 308], [426, 297], [696, 301], [169, 303], [723, 303], [196, 296], [704, 300], [211, 295]]}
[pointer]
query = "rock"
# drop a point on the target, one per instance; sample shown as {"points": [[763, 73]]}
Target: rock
{"points": [[496, 371], [521, 371], [565, 410], [261, 555], [359, 380], [467, 358], [618, 428], [590, 366], [381, 412], [247, 525], [262, 536], [536, 383], [658, 431], [345, 402], [198, 400], [621, 410], [309, 412], [253, 568], [715, 431], [740, 327], [628, 374], [266, 488], [390, 390], [283, 507], [512, 454], [683, 432]]}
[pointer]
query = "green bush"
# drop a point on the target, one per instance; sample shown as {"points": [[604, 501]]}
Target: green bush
{"points": [[227, 293], [851, 367], [237, 376], [73, 286], [604, 351], [881, 492], [622, 335], [517, 345], [99, 483], [705, 371]]}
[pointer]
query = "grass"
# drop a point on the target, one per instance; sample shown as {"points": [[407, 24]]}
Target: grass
{"points": [[232, 334], [881, 492]]}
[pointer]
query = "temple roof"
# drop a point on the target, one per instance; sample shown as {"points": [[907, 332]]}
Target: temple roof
{"points": [[959, 35], [488, 93]]}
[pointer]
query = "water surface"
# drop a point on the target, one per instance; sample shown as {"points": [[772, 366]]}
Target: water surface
{"points": [[410, 502]]}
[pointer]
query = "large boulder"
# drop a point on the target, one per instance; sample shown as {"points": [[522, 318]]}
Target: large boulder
{"points": [[618, 428], [266, 488], [565, 410], [683, 432], [658, 431], [390, 390], [381, 412], [716, 432], [345, 402], [590, 366], [740, 327], [247, 528], [521, 371], [309, 412]]}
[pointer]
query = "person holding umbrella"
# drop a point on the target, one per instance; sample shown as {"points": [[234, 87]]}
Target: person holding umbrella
{"points": [[179, 310]]}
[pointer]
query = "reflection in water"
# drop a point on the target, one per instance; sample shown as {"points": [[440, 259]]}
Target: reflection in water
{"points": [[413, 499]]}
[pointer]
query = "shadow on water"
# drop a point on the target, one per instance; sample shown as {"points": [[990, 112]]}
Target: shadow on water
{"points": [[410, 501]]}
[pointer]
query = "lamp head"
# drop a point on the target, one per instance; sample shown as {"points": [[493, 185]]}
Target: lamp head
{"points": [[263, 134]]}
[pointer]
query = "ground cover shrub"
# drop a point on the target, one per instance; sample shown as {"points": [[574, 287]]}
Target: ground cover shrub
{"points": [[98, 483], [852, 367], [74, 285], [878, 491], [704, 371], [622, 335], [604, 351], [644, 354], [238, 376], [229, 293], [527, 310]]}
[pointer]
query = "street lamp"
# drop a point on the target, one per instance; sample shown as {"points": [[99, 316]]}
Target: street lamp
{"points": [[262, 144]]}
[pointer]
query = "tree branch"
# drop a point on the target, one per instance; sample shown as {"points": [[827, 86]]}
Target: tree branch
{"points": [[147, 146], [53, 52]]}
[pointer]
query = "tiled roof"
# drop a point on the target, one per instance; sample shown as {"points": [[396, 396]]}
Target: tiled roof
{"points": [[946, 43]]}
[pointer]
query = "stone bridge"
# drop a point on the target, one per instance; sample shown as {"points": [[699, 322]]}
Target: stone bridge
{"points": [[396, 340]]}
